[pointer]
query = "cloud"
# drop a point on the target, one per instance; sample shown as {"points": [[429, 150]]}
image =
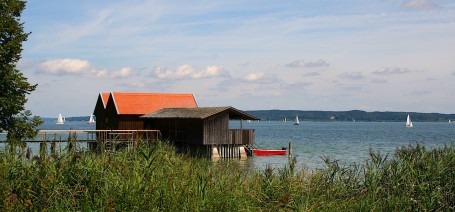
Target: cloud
{"points": [[311, 64], [311, 74], [188, 72], [379, 81], [245, 64], [295, 86], [254, 76], [391, 71], [420, 93], [78, 67], [351, 75], [419, 4], [124, 72], [260, 77], [453, 73]]}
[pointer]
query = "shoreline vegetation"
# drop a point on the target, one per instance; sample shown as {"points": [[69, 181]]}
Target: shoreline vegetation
{"points": [[158, 177]]}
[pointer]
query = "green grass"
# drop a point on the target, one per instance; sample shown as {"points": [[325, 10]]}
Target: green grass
{"points": [[157, 178]]}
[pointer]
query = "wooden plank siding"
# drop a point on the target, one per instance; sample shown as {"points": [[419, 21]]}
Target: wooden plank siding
{"points": [[216, 129], [178, 130], [238, 136], [100, 114], [130, 122]]}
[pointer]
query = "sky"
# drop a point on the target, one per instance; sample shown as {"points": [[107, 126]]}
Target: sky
{"points": [[372, 55]]}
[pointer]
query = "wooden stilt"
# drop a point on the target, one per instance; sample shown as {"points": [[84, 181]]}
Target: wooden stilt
{"points": [[290, 149]]}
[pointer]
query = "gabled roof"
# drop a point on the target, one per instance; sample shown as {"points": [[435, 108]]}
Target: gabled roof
{"points": [[198, 113], [144, 103], [104, 98]]}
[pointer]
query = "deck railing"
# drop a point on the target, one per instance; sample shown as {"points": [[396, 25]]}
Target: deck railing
{"points": [[92, 135], [241, 136]]}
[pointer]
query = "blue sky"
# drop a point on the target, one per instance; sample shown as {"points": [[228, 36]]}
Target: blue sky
{"points": [[376, 55]]}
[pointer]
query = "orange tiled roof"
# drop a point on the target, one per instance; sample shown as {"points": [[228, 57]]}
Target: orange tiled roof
{"points": [[145, 103], [105, 98]]}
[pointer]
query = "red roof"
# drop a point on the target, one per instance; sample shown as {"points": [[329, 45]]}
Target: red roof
{"points": [[104, 98], [145, 103]]}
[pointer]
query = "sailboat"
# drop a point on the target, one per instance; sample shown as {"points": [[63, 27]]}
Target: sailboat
{"points": [[409, 122], [60, 119], [450, 121], [297, 122], [91, 121], [285, 119]]}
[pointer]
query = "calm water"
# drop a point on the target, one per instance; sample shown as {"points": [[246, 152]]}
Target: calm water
{"points": [[347, 142], [344, 141]]}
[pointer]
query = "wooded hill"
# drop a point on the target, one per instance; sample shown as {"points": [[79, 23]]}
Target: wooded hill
{"points": [[357, 115]]}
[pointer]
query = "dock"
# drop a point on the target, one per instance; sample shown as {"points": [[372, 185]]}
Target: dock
{"points": [[93, 138]]}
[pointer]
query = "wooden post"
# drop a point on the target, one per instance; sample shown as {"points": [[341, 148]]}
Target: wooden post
{"points": [[137, 139], [290, 149]]}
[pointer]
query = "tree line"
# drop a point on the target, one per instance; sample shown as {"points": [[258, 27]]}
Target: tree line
{"points": [[352, 115]]}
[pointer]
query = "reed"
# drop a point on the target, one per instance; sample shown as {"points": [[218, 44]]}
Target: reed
{"points": [[157, 177]]}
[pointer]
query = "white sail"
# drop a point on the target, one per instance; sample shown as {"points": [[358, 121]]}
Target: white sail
{"points": [[91, 121], [297, 122], [409, 122], [285, 119], [60, 119]]}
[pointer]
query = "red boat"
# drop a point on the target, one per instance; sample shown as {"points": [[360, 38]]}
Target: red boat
{"points": [[269, 151]]}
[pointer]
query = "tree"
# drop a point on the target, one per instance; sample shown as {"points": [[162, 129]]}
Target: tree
{"points": [[13, 85]]}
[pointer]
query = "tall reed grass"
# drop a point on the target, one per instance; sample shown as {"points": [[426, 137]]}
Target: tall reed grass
{"points": [[157, 177]]}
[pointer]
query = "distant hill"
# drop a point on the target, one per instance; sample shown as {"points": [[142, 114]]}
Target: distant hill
{"points": [[357, 115]]}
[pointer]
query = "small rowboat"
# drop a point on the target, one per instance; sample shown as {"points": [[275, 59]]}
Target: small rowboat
{"points": [[269, 151]]}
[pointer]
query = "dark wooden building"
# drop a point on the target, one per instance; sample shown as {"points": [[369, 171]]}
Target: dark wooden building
{"points": [[206, 126], [123, 109]]}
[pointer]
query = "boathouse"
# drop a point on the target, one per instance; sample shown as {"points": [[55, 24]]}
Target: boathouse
{"points": [[122, 109], [203, 126]]}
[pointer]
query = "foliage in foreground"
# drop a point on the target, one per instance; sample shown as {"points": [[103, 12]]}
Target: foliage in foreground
{"points": [[14, 86], [157, 178]]}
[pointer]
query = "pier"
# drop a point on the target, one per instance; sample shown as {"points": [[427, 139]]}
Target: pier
{"points": [[93, 138]]}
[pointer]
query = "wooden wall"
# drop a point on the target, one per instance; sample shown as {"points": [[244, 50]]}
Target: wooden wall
{"points": [[100, 114], [216, 129], [187, 131], [130, 122], [238, 136]]}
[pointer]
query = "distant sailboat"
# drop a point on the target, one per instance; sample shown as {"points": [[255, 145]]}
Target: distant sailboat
{"points": [[285, 119], [91, 121], [409, 122], [297, 122], [450, 121], [60, 119]]}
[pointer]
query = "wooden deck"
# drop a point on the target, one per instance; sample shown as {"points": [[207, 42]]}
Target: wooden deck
{"points": [[95, 136]]}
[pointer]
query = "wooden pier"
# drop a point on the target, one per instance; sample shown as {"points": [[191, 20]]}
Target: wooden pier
{"points": [[93, 138]]}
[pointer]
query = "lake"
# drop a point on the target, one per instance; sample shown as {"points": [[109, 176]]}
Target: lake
{"points": [[347, 142]]}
